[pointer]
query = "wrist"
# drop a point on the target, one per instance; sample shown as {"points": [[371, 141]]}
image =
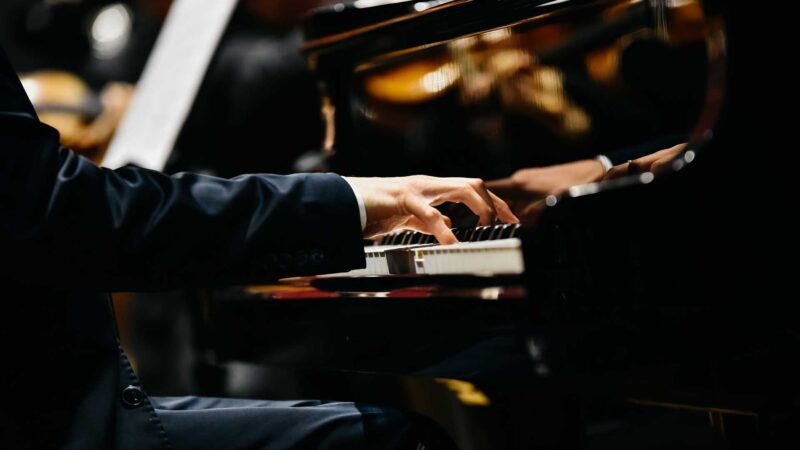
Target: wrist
{"points": [[362, 209], [593, 170], [605, 162]]}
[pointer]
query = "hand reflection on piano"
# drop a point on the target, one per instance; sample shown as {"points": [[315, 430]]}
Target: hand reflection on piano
{"points": [[656, 162], [526, 189]]}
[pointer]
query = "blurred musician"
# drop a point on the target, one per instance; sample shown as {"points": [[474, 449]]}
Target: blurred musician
{"points": [[258, 84], [73, 230]]}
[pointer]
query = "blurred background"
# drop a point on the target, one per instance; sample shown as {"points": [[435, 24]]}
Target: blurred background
{"points": [[80, 60]]}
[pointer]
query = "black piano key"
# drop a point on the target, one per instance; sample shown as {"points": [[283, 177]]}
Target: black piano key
{"points": [[493, 233], [476, 234], [396, 238], [502, 231], [509, 233]]}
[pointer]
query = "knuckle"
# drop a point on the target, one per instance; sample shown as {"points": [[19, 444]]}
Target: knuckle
{"points": [[476, 183], [431, 214]]}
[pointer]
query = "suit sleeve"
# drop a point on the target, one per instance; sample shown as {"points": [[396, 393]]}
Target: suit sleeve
{"points": [[68, 224]]}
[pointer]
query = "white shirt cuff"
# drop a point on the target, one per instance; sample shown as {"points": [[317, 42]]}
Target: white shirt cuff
{"points": [[607, 164], [362, 210]]}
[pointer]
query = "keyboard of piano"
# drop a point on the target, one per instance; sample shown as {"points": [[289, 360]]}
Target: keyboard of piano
{"points": [[482, 250]]}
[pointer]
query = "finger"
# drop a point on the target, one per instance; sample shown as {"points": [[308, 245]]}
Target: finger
{"points": [[504, 212], [447, 221], [412, 223], [617, 172], [467, 195], [480, 188], [417, 225], [661, 164], [531, 212], [643, 164], [666, 157], [505, 187], [432, 222], [646, 163]]}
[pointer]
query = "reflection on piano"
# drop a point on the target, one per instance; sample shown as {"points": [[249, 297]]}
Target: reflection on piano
{"points": [[595, 327]]}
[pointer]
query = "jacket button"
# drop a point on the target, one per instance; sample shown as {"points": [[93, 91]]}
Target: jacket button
{"points": [[133, 397]]}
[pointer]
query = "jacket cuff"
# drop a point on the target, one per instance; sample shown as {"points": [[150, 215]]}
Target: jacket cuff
{"points": [[332, 210]]}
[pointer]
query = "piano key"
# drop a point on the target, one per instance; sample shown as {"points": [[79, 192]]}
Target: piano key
{"points": [[498, 256], [483, 233], [488, 257]]}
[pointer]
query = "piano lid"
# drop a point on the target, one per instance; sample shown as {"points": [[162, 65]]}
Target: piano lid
{"points": [[340, 18], [486, 88]]}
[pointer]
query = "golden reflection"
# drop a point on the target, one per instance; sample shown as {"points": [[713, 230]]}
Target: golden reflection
{"points": [[603, 64], [505, 63], [412, 83], [466, 392], [495, 36], [59, 88], [686, 21], [440, 79]]}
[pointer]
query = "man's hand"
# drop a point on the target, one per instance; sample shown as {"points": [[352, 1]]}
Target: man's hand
{"points": [[654, 162], [539, 182], [408, 203], [527, 187]]}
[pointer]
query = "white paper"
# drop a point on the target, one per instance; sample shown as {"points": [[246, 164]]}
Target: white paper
{"points": [[169, 84]]}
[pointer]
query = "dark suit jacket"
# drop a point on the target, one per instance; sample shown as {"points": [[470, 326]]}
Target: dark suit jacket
{"points": [[70, 231]]}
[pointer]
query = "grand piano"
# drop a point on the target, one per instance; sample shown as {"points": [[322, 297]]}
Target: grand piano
{"points": [[608, 320]]}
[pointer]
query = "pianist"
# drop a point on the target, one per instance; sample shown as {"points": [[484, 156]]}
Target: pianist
{"points": [[70, 231]]}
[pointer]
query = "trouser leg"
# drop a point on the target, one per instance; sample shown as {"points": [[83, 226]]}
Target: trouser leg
{"points": [[210, 423]]}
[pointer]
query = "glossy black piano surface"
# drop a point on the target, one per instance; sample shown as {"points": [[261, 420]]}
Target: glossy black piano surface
{"points": [[624, 331], [483, 88]]}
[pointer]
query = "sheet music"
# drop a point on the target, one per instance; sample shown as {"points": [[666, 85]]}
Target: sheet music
{"points": [[169, 84]]}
